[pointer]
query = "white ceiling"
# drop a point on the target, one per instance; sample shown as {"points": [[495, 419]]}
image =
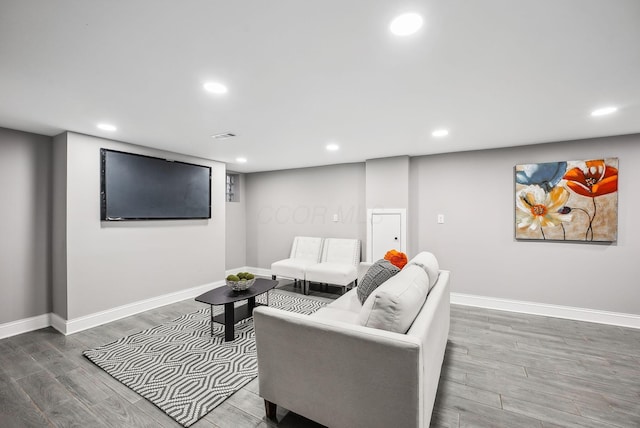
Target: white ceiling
{"points": [[300, 74]]}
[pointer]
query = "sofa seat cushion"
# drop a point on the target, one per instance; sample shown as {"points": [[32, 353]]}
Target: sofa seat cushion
{"points": [[348, 301], [394, 305], [291, 268], [378, 273], [336, 314], [332, 273], [429, 263]]}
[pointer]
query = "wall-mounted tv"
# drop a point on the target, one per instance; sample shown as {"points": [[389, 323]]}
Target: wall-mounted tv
{"points": [[137, 187]]}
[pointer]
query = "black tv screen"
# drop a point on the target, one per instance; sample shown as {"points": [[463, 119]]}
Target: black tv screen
{"points": [[137, 187]]}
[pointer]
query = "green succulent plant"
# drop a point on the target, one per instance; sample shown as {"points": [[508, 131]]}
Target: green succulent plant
{"points": [[241, 276]]}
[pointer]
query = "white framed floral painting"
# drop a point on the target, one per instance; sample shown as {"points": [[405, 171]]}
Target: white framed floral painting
{"points": [[567, 201]]}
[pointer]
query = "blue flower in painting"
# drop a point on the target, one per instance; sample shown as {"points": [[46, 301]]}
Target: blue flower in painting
{"points": [[545, 175]]}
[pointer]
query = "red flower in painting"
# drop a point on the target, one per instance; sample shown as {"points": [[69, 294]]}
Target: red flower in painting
{"points": [[595, 179]]}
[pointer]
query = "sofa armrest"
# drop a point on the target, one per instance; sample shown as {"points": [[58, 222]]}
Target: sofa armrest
{"points": [[338, 374], [431, 327]]}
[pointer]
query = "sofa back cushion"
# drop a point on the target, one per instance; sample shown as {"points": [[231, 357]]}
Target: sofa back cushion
{"points": [[394, 305], [341, 250], [378, 273], [429, 263]]}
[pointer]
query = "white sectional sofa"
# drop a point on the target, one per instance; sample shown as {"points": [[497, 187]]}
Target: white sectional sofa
{"points": [[354, 365]]}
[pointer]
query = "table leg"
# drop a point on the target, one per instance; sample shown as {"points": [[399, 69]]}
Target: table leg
{"points": [[211, 323], [251, 303], [229, 319]]}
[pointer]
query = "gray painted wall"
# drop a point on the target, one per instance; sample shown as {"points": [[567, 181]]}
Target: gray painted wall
{"points": [[284, 204], [236, 229], [387, 186], [387, 182], [59, 227], [475, 192], [25, 196], [110, 264]]}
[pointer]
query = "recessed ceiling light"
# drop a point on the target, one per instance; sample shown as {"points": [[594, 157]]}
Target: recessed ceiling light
{"points": [[241, 160], [406, 24], [215, 88], [440, 133], [604, 111], [106, 127], [332, 147]]}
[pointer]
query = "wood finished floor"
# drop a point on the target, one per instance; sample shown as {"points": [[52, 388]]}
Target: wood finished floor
{"points": [[501, 370]]}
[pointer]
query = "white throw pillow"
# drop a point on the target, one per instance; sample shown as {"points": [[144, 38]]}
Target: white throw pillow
{"points": [[394, 305], [429, 263]]}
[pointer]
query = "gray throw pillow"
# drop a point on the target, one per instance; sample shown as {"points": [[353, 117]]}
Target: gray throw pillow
{"points": [[378, 273]]}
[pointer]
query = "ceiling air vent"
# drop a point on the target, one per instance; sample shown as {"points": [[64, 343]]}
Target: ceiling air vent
{"points": [[222, 136]]}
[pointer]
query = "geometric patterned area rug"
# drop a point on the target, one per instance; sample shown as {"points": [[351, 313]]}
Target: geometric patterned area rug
{"points": [[181, 368]]}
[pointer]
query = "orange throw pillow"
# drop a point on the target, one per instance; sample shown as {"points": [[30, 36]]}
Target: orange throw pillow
{"points": [[396, 258]]}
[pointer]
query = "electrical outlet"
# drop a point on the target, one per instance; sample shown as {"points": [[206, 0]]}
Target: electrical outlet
{"points": [[335, 217], [440, 218]]}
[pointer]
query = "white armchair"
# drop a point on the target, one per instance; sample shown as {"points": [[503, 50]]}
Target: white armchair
{"points": [[305, 251], [339, 263]]}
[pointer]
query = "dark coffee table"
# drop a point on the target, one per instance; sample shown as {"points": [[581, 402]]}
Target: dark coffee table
{"points": [[227, 297]]}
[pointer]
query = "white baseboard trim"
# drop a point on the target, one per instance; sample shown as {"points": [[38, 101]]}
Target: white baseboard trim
{"points": [[260, 271], [253, 270], [556, 311], [24, 325], [59, 323], [236, 270], [93, 320]]}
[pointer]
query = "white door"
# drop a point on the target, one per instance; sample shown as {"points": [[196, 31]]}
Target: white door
{"points": [[385, 234]]}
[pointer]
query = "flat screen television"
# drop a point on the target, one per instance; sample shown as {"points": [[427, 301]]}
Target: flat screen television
{"points": [[138, 187]]}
